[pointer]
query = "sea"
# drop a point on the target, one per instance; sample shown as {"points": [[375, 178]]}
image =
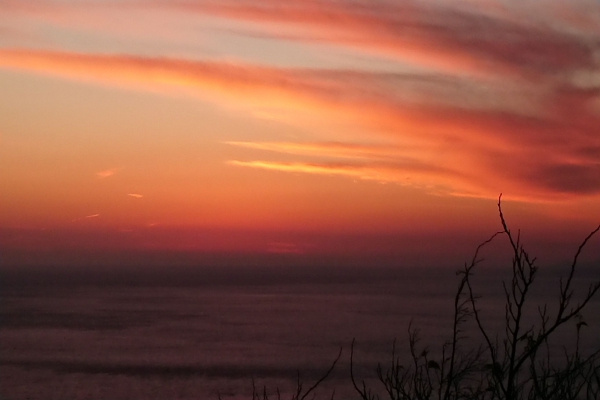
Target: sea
{"points": [[224, 332]]}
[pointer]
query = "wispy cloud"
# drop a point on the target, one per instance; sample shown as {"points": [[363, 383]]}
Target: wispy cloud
{"points": [[107, 173], [488, 37], [334, 149], [135, 195], [552, 177], [531, 39], [436, 129], [368, 171], [86, 217]]}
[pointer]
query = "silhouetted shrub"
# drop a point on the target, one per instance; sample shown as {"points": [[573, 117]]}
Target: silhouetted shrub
{"points": [[514, 363]]}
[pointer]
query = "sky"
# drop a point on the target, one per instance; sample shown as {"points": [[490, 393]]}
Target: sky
{"points": [[304, 129]]}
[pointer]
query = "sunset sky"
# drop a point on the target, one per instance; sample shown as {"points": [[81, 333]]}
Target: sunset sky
{"points": [[305, 128]]}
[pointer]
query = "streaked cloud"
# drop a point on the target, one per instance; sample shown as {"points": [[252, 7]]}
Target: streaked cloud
{"points": [[107, 173], [377, 172], [459, 134], [333, 149], [473, 176], [531, 40], [485, 37], [135, 195], [86, 217]]}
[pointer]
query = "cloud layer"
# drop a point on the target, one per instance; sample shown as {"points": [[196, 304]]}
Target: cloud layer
{"points": [[487, 38], [504, 101], [551, 153]]}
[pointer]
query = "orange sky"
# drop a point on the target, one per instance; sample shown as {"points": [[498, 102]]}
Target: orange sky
{"points": [[312, 128]]}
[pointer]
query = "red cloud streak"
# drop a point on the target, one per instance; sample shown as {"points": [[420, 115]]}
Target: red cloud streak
{"points": [[553, 153], [463, 39]]}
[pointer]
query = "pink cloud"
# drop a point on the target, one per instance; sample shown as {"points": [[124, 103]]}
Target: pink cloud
{"points": [[86, 217], [542, 150], [107, 173], [484, 38]]}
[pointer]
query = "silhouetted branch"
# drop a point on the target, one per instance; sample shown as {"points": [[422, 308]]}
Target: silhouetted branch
{"points": [[461, 374], [318, 382]]}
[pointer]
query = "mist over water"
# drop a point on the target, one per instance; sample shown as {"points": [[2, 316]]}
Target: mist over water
{"points": [[191, 333]]}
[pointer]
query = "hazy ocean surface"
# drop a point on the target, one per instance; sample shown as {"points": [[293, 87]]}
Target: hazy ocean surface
{"points": [[191, 333]]}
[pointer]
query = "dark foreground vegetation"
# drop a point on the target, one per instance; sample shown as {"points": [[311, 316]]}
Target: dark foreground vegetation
{"points": [[519, 361]]}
